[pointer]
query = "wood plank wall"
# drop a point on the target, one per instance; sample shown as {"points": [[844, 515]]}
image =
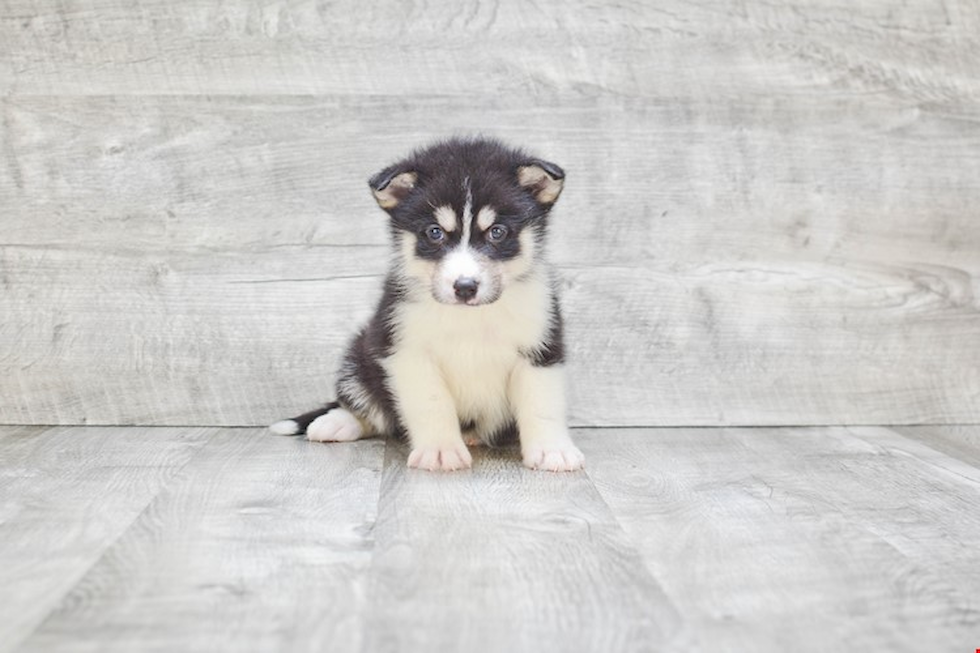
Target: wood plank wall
{"points": [[772, 212]]}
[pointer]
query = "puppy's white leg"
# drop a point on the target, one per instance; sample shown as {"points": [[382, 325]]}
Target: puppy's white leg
{"points": [[338, 425], [537, 395], [428, 413]]}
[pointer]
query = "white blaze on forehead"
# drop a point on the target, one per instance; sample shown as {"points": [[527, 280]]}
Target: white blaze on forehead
{"points": [[485, 217], [460, 262], [446, 218], [467, 211]]}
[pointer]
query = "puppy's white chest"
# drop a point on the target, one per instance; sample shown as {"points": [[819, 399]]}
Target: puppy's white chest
{"points": [[475, 350], [476, 375]]}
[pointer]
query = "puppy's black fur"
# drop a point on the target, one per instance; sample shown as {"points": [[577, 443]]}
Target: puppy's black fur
{"points": [[458, 173]]}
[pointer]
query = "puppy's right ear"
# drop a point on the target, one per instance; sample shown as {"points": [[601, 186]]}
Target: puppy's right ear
{"points": [[392, 185]]}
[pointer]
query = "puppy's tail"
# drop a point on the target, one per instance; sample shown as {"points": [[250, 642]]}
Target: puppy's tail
{"points": [[297, 425]]}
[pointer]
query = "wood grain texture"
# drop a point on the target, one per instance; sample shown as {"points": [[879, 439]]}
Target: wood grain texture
{"points": [[65, 496], [770, 214], [501, 558], [765, 540], [805, 539], [262, 545], [103, 47], [215, 279]]}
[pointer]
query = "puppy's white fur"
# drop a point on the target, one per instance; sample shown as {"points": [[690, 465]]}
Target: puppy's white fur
{"points": [[457, 364], [338, 425]]}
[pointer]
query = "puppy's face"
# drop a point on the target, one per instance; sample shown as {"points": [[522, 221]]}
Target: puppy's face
{"points": [[468, 217]]}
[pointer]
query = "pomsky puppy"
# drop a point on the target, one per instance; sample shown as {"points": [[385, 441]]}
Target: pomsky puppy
{"points": [[466, 344]]}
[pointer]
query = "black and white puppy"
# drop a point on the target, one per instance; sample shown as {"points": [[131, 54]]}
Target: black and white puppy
{"points": [[466, 344]]}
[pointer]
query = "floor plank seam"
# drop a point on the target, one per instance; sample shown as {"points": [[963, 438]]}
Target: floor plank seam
{"points": [[166, 485], [634, 545], [913, 447], [579, 427], [370, 573]]}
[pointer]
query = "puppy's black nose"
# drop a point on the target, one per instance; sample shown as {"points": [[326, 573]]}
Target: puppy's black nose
{"points": [[465, 287]]}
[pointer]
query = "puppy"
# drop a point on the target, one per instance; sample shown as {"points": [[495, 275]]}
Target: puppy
{"points": [[466, 343]]}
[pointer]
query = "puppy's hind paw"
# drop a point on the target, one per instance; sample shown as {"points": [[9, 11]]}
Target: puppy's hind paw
{"points": [[554, 457], [338, 425], [441, 459]]}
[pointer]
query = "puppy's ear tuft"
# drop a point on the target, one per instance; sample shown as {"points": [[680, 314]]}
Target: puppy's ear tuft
{"points": [[543, 179], [392, 185]]}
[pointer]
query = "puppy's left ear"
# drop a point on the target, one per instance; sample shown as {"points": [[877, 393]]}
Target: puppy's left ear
{"points": [[392, 185], [543, 179]]}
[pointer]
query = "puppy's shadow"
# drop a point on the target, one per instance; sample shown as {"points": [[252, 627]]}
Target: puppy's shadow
{"points": [[485, 457]]}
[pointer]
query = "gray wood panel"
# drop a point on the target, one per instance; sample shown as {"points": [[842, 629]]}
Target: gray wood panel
{"points": [[805, 539], [444, 47], [261, 546], [505, 559], [186, 260], [65, 496], [770, 215]]}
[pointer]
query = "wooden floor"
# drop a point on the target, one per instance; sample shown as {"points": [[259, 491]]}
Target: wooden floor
{"points": [[219, 539]]}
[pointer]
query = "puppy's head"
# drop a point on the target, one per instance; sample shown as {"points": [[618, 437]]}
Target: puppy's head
{"points": [[468, 216]]}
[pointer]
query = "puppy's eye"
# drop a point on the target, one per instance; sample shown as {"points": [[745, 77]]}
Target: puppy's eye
{"points": [[497, 233], [435, 234]]}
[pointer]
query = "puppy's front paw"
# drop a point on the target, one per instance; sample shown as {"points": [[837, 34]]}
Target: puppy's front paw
{"points": [[447, 458], [557, 456]]}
